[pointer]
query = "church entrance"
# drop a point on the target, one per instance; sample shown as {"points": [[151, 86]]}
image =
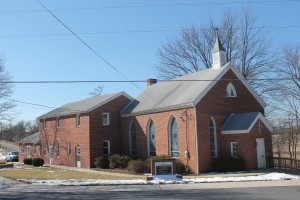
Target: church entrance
{"points": [[261, 153]]}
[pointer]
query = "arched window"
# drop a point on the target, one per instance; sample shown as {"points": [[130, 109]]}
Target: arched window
{"points": [[173, 138], [151, 138], [230, 91], [213, 138], [133, 139]]}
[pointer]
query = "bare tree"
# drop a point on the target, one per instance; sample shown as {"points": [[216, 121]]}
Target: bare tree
{"points": [[5, 92], [288, 94], [247, 45], [96, 92]]}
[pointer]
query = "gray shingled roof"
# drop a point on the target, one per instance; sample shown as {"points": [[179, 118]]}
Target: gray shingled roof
{"points": [[239, 122], [83, 106], [34, 138], [174, 94]]}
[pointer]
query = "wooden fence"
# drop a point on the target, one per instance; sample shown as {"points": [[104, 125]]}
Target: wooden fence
{"points": [[284, 163]]}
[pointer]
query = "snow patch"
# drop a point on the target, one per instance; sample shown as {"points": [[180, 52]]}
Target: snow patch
{"points": [[161, 179]]}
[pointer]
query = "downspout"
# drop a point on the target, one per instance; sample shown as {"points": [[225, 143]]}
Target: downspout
{"points": [[196, 131]]}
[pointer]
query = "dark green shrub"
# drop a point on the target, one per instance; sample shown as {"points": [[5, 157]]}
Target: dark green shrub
{"points": [[180, 167], [102, 162], [118, 161], [27, 161], [138, 166], [37, 162], [228, 164]]}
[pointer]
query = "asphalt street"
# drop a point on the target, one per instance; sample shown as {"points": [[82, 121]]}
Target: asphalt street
{"points": [[287, 190]]}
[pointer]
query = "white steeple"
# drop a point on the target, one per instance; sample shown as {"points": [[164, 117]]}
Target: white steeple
{"points": [[218, 53]]}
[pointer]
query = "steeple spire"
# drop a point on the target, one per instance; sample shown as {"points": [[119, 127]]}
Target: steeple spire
{"points": [[218, 53]]}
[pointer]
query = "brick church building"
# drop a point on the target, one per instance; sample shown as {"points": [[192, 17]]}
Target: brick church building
{"points": [[207, 114]]}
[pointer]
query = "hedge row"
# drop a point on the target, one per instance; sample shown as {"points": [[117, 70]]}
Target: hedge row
{"points": [[137, 166], [37, 162]]}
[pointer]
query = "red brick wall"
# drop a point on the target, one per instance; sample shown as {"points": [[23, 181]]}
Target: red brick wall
{"points": [[32, 155], [247, 144], [216, 104], [98, 132], [161, 122], [89, 135], [67, 132]]}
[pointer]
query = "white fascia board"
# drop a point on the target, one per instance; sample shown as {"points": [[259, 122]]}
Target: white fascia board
{"points": [[208, 88]]}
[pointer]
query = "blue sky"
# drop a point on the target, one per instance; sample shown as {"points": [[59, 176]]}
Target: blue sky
{"points": [[33, 53]]}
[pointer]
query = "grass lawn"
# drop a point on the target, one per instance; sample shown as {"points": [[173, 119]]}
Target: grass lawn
{"points": [[50, 173]]}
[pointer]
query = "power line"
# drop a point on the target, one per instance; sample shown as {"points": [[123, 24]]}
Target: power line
{"points": [[85, 44], [136, 31], [93, 50], [151, 5], [140, 81], [39, 105]]}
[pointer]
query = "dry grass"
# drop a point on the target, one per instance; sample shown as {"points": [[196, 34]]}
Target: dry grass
{"points": [[50, 173]]}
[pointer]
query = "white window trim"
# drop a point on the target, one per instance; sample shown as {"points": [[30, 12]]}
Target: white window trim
{"points": [[69, 150], [169, 135], [230, 87], [108, 119], [108, 146], [44, 149], [231, 149], [28, 152], [57, 149], [130, 139], [34, 149], [148, 136], [23, 149], [78, 120], [57, 122], [215, 136], [44, 123]]}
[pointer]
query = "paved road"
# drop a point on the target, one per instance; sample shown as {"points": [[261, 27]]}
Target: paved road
{"points": [[287, 190]]}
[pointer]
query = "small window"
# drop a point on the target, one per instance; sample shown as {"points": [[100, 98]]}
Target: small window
{"points": [[105, 118], [34, 149], [234, 149], [106, 147], [69, 148], [230, 91], [44, 123], [57, 122], [45, 149], [23, 148], [78, 120], [57, 149]]}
